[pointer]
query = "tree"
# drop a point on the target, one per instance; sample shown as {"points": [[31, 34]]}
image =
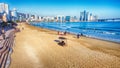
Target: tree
{"points": [[4, 24]]}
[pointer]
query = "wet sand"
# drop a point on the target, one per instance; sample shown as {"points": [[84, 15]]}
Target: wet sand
{"points": [[36, 48]]}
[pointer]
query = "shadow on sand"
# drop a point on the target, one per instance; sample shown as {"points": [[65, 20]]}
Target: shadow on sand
{"points": [[60, 43]]}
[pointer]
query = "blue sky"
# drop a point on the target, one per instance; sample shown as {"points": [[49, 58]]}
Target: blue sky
{"points": [[102, 8]]}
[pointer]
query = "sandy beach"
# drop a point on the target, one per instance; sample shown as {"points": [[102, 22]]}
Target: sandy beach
{"points": [[35, 48]]}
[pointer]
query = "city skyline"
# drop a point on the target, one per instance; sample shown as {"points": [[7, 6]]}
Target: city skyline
{"points": [[102, 8]]}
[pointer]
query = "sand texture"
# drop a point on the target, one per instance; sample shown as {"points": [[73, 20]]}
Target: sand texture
{"points": [[36, 48]]}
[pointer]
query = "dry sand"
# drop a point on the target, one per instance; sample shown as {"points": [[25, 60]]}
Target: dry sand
{"points": [[36, 48]]}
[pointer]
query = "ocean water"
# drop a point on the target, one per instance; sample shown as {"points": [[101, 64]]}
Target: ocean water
{"points": [[101, 30]]}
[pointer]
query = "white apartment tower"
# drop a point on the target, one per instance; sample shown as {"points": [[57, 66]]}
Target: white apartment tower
{"points": [[14, 14], [4, 8]]}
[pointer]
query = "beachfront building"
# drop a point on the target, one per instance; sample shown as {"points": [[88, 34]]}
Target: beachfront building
{"points": [[63, 18], [40, 18], [60, 18], [27, 16], [93, 18], [50, 19], [4, 9], [90, 17], [14, 15], [44, 19], [21, 17], [47, 19], [67, 19], [73, 19], [32, 17], [55, 19], [84, 16], [36, 18]]}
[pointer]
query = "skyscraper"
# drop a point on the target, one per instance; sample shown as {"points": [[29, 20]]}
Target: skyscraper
{"points": [[93, 17], [63, 19], [90, 17], [27, 16], [84, 16], [14, 15], [21, 16], [60, 18], [4, 9], [67, 18]]}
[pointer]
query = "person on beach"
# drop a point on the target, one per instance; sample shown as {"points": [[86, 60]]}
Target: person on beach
{"points": [[81, 34], [62, 33], [61, 43], [3, 33], [58, 32], [78, 35], [65, 33]]}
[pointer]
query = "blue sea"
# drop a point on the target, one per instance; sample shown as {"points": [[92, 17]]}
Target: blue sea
{"points": [[109, 31]]}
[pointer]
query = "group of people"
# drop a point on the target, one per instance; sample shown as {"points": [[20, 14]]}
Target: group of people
{"points": [[78, 35], [62, 41], [62, 33]]}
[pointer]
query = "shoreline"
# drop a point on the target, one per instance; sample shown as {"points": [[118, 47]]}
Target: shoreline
{"points": [[86, 35], [75, 34]]}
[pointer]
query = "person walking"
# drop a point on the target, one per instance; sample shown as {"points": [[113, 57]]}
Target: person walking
{"points": [[58, 33], [78, 35], [3, 33], [65, 33]]}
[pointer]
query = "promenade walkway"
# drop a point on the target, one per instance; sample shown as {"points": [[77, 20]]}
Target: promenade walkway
{"points": [[6, 47]]}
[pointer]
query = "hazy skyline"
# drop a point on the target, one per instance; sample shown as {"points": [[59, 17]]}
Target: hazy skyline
{"points": [[102, 8]]}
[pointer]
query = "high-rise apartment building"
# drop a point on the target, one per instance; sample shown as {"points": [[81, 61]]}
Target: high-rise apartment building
{"points": [[67, 18], [60, 18], [4, 9], [14, 15], [93, 17], [84, 16]]}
